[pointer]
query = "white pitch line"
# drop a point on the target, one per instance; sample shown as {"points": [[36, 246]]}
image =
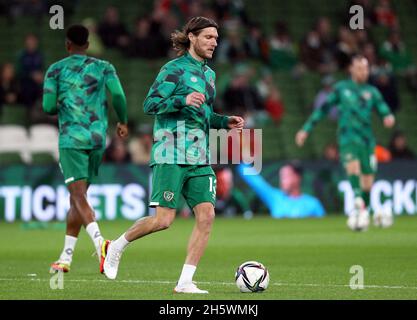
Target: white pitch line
{"points": [[280, 284]]}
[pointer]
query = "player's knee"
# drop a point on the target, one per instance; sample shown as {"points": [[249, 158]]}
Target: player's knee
{"points": [[206, 218], [163, 223], [77, 197]]}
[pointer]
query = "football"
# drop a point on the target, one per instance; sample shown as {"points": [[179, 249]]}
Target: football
{"points": [[252, 276]]}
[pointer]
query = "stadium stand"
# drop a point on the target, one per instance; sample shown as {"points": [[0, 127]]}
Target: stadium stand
{"points": [[298, 93]]}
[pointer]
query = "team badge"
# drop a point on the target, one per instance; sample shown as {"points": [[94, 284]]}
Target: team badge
{"points": [[193, 79], [168, 195]]}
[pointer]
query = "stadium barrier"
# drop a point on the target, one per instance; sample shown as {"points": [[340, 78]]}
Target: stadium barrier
{"points": [[37, 193]]}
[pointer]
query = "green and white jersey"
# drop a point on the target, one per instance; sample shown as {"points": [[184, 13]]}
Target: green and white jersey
{"points": [[79, 83], [181, 132], [355, 103]]}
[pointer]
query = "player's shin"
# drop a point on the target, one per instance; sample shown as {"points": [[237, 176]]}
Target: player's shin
{"points": [[68, 251], [366, 195], [95, 235], [355, 184]]}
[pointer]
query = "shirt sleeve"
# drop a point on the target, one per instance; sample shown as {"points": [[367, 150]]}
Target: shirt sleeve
{"points": [[382, 108], [162, 97], [321, 112], [50, 89], [218, 121], [116, 91]]}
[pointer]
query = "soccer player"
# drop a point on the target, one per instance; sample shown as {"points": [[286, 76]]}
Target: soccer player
{"points": [[181, 99], [75, 90], [355, 99]]}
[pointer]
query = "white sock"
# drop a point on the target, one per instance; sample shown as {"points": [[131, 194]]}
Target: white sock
{"points": [[186, 274], [68, 250], [120, 243], [94, 233]]}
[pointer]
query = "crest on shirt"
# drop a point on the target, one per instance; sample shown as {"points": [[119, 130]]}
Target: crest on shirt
{"points": [[168, 195], [193, 79], [366, 95]]}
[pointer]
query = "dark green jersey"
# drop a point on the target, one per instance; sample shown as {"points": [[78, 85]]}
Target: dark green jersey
{"points": [[79, 84], [355, 103], [181, 132]]}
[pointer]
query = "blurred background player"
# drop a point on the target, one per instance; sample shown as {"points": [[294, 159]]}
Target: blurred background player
{"points": [[184, 90], [356, 99], [75, 89], [289, 201]]}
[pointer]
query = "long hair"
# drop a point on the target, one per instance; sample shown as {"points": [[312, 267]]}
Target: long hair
{"points": [[180, 40]]}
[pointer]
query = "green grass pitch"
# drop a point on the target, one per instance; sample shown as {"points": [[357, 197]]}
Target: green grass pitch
{"points": [[307, 259]]}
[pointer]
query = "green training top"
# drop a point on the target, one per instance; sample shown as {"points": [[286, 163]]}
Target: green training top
{"points": [[75, 89], [355, 103], [181, 132]]}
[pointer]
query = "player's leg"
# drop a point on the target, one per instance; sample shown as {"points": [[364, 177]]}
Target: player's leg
{"points": [[369, 168], [200, 193], [352, 156], [367, 180], [351, 160], [79, 166], [204, 216], [166, 186], [74, 225], [353, 172], [69, 164], [79, 203], [383, 217], [144, 226]]}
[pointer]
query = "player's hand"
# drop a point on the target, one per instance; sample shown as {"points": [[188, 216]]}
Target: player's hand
{"points": [[122, 130], [195, 99], [389, 121], [301, 137], [236, 122]]}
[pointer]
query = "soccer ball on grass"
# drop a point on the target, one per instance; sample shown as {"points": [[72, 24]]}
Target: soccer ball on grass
{"points": [[252, 276]]}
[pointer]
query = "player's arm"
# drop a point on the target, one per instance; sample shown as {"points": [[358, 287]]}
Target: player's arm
{"points": [[50, 89], [117, 94], [161, 97], [118, 99], [315, 117], [218, 121], [383, 109]]}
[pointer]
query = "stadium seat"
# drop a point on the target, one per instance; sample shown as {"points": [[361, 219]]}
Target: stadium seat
{"points": [[14, 114], [14, 139], [44, 140]]}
